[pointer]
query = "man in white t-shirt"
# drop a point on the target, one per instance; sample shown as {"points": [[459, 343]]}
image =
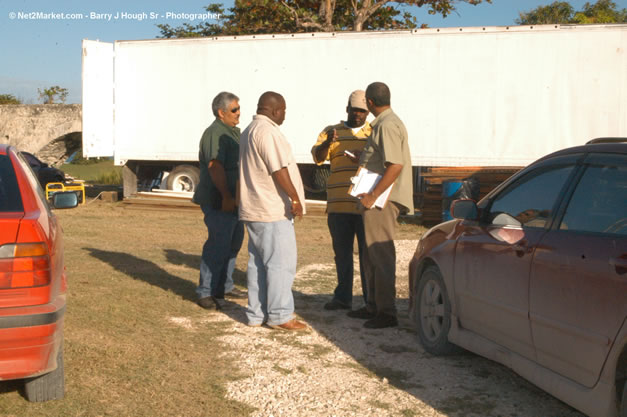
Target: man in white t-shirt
{"points": [[271, 194]]}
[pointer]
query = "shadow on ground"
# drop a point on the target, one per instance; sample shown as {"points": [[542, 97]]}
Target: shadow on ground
{"points": [[481, 387], [177, 257], [147, 271]]}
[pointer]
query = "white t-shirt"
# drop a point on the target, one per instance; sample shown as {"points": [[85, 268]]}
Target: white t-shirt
{"points": [[263, 150]]}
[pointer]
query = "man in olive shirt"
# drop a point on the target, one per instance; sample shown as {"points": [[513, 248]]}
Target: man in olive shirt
{"points": [[386, 153], [216, 194]]}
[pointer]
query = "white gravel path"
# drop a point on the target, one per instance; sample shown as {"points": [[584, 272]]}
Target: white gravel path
{"points": [[338, 368]]}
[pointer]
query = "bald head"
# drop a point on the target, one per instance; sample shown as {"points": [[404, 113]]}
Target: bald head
{"points": [[272, 105]]}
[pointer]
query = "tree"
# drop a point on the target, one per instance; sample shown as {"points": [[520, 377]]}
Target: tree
{"points": [[9, 99], [603, 11], [51, 94], [285, 16]]}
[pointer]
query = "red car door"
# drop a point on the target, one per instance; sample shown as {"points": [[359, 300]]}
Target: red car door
{"points": [[578, 288], [493, 259]]}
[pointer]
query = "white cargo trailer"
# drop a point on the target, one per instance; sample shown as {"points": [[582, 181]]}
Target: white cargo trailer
{"points": [[480, 96]]}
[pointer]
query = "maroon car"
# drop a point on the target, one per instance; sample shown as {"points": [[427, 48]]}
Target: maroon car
{"points": [[534, 276]]}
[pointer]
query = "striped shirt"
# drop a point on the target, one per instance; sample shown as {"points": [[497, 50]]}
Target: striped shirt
{"points": [[342, 168]]}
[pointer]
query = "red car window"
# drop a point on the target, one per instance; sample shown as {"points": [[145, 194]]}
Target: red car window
{"points": [[599, 203], [530, 200], [10, 198]]}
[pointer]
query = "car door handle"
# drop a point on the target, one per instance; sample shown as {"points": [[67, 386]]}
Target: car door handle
{"points": [[620, 264], [521, 248]]}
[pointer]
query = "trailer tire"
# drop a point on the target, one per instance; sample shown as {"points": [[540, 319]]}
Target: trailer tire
{"points": [[184, 178]]}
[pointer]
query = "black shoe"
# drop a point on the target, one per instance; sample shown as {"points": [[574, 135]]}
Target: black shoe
{"points": [[381, 321], [209, 303], [220, 303], [336, 305], [362, 313], [236, 294]]}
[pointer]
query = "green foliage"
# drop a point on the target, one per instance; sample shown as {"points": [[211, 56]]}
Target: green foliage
{"points": [[52, 94], [9, 99], [100, 171], [109, 178], [289, 16], [603, 11]]}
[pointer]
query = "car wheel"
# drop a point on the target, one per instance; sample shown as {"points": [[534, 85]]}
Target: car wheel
{"points": [[433, 313], [623, 402], [50, 386], [184, 178]]}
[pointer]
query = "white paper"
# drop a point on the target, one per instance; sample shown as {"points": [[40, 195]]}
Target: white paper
{"points": [[365, 181]]}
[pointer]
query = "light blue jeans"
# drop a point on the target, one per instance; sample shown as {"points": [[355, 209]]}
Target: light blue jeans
{"points": [[271, 270], [226, 234]]}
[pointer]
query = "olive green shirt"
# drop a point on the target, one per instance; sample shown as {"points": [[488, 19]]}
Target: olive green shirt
{"points": [[388, 143], [220, 142]]}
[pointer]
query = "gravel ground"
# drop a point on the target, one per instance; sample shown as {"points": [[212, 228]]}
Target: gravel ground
{"points": [[338, 368]]}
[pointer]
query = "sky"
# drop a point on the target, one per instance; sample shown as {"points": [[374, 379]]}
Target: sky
{"points": [[40, 40]]}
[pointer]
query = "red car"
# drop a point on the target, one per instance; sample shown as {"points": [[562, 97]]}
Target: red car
{"points": [[32, 280], [534, 276]]}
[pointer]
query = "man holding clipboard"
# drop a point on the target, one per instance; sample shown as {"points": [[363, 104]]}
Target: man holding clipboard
{"points": [[386, 153]]}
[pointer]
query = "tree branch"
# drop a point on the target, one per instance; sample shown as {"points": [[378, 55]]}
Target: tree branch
{"points": [[304, 22]]}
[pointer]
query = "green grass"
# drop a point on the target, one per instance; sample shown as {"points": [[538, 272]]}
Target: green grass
{"points": [[124, 356], [131, 273], [104, 172]]}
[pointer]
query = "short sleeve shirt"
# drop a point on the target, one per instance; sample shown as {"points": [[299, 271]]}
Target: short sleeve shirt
{"points": [[263, 151], [342, 168], [219, 142], [389, 143]]}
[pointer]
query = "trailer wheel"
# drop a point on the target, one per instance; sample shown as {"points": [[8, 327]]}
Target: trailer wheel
{"points": [[184, 178]]}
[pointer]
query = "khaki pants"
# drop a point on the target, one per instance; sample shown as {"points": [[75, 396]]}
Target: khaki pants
{"points": [[380, 258]]}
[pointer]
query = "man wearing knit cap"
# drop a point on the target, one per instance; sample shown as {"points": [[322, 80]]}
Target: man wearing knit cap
{"points": [[344, 219]]}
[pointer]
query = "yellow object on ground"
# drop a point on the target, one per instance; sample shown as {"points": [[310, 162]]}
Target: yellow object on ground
{"points": [[77, 186]]}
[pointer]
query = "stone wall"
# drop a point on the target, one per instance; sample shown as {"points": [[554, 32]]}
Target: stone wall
{"points": [[50, 131]]}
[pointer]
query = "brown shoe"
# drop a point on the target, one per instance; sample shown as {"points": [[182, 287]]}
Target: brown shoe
{"points": [[209, 303], [290, 325]]}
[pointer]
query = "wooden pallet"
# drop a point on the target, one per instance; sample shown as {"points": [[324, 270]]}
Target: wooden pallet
{"points": [[432, 179]]}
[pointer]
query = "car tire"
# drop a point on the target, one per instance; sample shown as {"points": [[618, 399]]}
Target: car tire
{"points": [[184, 178], [50, 386], [623, 402], [433, 313]]}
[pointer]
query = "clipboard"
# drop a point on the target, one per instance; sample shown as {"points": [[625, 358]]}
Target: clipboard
{"points": [[364, 181]]}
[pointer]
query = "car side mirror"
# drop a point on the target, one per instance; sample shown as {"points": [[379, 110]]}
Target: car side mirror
{"points": [[465, 210], [64, 200]]}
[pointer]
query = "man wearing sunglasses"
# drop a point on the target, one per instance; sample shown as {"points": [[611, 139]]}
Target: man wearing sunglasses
{"points": [[216, 194]]}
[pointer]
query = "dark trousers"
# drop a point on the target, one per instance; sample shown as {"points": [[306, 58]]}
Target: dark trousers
{"points": [[343, 228], [380, 258], [225, 237]]}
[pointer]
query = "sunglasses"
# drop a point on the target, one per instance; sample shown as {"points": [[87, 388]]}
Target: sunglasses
{"points": [[235, 109]]}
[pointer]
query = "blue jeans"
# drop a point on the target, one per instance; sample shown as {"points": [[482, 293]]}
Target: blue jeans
{"points": [[271, 270], [226, 234], [343, 228]]}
